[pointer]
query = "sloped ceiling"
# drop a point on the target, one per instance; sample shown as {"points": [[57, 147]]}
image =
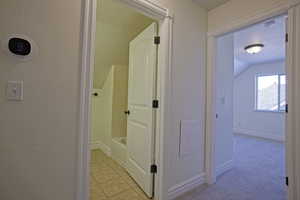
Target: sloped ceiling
{"points": [[271, 33], [210, 4], [117, 25]]}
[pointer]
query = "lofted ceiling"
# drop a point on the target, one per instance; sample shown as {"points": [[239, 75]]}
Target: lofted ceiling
{"points": [[210, 4], [117, 25], [119, 15], [270, 33]]}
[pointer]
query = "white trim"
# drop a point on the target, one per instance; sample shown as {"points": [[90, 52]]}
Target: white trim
{"points": [[164, 119], [210, 112], [225, 167], [148, 8], [260, 134], [259, 75], [293, 98], [95, 146], [294, 2], [276, 10], [186, 186], [211, 96], [86, 80], [103, 147], [164, 94], [122, 163]]}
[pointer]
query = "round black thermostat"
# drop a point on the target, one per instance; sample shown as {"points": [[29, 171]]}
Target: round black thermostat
{"points": [[19, 46]]}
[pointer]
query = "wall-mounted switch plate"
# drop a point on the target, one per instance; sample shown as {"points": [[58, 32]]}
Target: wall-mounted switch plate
{"points": [[14, 91]]}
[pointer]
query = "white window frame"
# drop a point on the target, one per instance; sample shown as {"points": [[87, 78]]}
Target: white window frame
{"points": [[278, 95]]}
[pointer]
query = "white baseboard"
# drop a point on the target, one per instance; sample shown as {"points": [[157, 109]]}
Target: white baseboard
{"points": [[259, 134], [186, 186], [94, 146], [122, 163], [224, 167], [100, 145]]}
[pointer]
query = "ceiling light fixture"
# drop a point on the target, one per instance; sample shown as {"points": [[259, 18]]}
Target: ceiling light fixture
{"points": [[254, 48]]}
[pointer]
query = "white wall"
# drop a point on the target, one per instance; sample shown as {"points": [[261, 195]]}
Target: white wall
{"points": [[39, 136], [237, 12], [96, 126], [122, 28], [248, 121], [109, 51], [120, 101], [104, 111], [113, 52], [108, 118], [224, 103], [188, 93]]}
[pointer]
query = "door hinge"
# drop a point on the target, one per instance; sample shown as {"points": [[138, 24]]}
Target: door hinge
{"points": [[286, 37], [155, 104], [153, 169], [157, 40], [286, 108], [287, 181]]}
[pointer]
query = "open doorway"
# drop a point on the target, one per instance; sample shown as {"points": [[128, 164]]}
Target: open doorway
{"points": [[259, 108], [122, 141], [249, 126]]}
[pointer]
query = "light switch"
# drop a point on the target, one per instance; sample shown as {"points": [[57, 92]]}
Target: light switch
{"points": [[14, 91]]}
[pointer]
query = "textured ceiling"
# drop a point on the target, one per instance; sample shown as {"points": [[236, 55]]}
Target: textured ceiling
{"points": [[271, 33], [210, 4]]}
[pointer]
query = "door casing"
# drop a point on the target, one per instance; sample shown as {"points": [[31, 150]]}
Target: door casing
{"points": [[211, 95], [164, 88]]}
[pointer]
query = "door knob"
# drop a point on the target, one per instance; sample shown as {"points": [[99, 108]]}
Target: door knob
{"points": [[127, 112]]}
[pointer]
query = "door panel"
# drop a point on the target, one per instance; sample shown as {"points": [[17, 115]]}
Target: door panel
{"points": [[141, 86]]}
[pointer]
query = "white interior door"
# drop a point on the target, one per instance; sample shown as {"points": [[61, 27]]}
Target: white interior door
{"points": [[141, 91]]}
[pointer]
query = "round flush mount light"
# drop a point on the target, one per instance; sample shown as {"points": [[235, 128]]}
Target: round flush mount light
{"points": [[254, 48]]}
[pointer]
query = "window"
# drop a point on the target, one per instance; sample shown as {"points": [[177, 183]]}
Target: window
{"points": [[270, 93]]}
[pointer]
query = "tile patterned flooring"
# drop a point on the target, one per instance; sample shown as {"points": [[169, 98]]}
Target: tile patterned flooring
{"points": [[110, 181]]}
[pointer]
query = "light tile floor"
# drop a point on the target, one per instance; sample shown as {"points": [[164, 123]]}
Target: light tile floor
{"points": [[110, 181]]}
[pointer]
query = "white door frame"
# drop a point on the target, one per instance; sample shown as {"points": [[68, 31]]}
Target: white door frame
{"points": [[163, 118], [211, 95]]}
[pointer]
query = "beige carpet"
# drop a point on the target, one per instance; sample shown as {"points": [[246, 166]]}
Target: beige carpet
{"points": [[258, 174]]}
